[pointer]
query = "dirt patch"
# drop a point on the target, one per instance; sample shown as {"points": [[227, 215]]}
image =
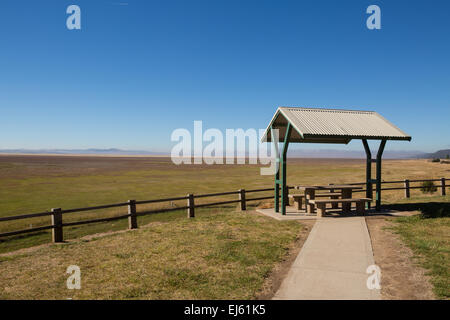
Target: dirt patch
{"points": [[401, 277], [276, 277]]}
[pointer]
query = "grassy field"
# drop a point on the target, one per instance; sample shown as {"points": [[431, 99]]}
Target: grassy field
{"points": [[31, 184], [214, 256], [428, 235], [222, 253], [430, 241]]}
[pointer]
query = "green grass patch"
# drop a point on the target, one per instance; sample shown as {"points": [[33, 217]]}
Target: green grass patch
{"points": [[429, 238], [220, 255]]}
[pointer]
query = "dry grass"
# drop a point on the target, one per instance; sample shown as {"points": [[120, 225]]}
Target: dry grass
{"points": [[430, 241], [219, 254], [401, 279], [38, 183], [214, 256]]}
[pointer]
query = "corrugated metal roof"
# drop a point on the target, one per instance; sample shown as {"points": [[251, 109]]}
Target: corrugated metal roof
{"points": [[333, 125]]}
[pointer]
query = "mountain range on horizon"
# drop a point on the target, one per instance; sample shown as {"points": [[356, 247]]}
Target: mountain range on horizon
{"points": [[440, 154], [93, 151], [312, 153]]}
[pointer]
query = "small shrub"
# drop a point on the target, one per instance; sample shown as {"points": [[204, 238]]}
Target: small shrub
{"points": [[428, 187], [436, 160]]}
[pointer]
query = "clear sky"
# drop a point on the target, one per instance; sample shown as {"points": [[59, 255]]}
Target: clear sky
{"points": [[137, 70]]}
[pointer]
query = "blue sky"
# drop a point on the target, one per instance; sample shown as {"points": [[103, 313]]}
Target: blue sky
{"points": [[137, 70]]}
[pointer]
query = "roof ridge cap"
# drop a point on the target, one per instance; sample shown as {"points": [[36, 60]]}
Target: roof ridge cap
{"points": [[328, 109]]}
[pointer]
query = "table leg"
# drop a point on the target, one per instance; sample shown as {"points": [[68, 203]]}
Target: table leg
{"points": [[334, 205], [360, 208], [346, 194], [321, 209], [309, 195]]}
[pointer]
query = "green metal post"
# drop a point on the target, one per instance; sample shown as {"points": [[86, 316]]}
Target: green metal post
{"points": [[277, 188], [277, 173], [369, 190], [284, 197], [379, 154]]}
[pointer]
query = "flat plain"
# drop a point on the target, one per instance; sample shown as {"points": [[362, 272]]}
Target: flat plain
{"points": [[221, 254], [37, 183]]}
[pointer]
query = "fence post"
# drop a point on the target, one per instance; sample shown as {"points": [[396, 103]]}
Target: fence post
{"points": [[443, 186], [57, 231], [132, 219], [191, 206], [242, 198], [407, 195]]}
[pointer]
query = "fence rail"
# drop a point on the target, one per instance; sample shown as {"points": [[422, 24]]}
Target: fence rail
{"points": [[407, 187], [57, 223]]}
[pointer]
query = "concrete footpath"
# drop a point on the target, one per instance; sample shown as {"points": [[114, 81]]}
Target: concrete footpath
{"points": [[332, 263]]}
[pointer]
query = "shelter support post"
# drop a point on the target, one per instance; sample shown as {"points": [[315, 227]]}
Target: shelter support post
{"points": [[277, 188], [369, 189], [284, 190], [378, 186], [277, 171]]}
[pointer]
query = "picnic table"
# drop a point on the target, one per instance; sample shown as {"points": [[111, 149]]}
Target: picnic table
{"points": [[310, 192]]}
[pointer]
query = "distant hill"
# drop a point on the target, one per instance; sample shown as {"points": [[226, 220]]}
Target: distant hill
{"points": [[110, 151], [299, 153], [441, 154]]}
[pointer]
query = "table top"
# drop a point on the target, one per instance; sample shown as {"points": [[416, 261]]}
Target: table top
{"points": [[329, 187]]}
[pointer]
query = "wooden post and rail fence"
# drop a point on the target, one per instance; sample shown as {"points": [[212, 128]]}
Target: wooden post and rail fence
{"points": [[57, 223], [406, 185]]}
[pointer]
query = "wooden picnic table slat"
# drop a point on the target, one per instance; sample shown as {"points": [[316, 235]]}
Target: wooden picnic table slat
{"points": [[343, 186], [330, 187]]}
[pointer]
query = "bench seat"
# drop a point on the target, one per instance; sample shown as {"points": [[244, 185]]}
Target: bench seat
{"points": [[298, 198], [333, 195], [321, 204]]}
